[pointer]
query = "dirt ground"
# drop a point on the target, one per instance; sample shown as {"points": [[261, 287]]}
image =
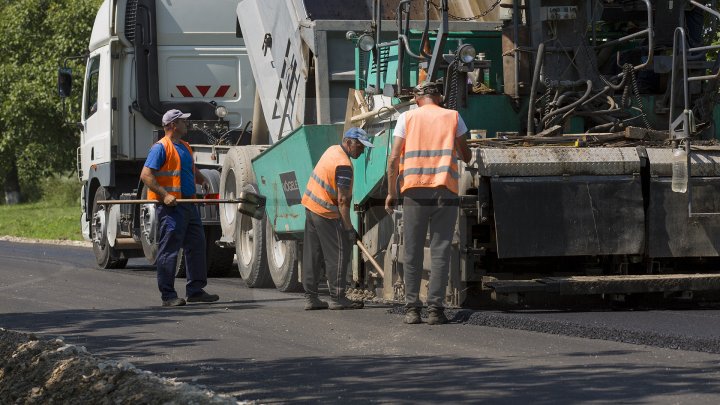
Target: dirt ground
{"points": [[39, 371]]}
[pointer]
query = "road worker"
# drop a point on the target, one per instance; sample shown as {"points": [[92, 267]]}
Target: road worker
{"points": [[423, 168], [329, 234], [170, 174]]}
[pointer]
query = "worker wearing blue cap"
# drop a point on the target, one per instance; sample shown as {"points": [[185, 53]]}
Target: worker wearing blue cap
{"points": [[329, 234]]}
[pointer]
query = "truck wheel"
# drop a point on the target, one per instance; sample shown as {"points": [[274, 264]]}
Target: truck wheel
{"points": [[237, 171], [219, 260], [282, 261], [105, 255], [148, 229], [250, 248]]}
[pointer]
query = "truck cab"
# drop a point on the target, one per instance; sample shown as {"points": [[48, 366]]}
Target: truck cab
{"points": [[146, 57]]}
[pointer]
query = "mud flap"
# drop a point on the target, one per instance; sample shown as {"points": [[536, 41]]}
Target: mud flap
{"points": [[568, 215]]}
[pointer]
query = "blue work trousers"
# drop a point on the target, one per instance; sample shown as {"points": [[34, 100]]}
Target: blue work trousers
{"points": [[180, 227]]}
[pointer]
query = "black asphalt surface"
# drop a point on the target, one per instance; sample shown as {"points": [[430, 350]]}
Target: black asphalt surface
{"points": [[260, 345]]}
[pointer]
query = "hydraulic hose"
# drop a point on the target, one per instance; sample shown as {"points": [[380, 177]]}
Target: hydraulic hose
{"points": [[536, 77], [573, 105]]}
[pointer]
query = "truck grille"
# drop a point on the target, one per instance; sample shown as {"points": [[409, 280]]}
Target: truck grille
{"points": [[130, 18]]}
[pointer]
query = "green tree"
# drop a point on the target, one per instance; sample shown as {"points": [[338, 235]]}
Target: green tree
{"points": [[37, 35]]}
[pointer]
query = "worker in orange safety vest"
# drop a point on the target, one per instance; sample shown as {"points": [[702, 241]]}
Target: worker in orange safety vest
{"points": [[423, 168], [329, 234], [169, 174]]}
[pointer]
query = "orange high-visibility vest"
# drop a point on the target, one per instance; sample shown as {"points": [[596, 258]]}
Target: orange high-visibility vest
{"points": [[321, 193], [428, 159], [169, 174]]}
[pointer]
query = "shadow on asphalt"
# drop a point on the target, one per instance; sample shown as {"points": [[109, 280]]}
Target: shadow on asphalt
{"points": [[412, 379], [81, 327], [371, 378]]}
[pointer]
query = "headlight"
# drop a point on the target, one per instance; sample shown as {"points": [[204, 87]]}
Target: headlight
{"points": [[366, 42], [221, 111], [467, 53]]}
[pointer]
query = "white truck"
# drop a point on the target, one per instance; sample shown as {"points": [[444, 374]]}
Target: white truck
{"points": [[148, 56], [145, 57]]}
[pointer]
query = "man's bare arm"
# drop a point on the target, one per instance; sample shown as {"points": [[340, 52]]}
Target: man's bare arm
{"points": [[394, 166], [148, 178], [463, 149], [393, 169], [344, 202]]}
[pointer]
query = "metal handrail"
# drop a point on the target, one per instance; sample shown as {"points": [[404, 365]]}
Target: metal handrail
{"points": [[650, 31], [686, 117], [705, 48]]}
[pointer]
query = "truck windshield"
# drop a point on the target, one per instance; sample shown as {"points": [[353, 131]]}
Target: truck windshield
{"points": [[91, 94]]}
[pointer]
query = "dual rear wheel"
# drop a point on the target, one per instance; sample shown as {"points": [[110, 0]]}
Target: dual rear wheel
{"points": [[107, 256], [263, 259]]}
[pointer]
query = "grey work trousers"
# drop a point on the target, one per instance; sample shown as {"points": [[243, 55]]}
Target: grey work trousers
{"points": [[436, 208], [325, 240]]}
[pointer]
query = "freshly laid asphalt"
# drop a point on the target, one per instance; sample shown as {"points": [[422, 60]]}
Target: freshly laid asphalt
{"points": [[261, 345]]}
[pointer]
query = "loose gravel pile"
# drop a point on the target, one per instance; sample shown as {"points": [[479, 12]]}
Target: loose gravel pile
{"points": [[565, 328], [36, 371]]}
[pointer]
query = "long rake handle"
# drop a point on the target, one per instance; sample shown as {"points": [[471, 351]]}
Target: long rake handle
{"points": [[179, 201]]}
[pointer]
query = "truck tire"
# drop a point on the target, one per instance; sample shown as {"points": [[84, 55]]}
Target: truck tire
{"points": [[219, 261], [105, 255], [237, 171], [282, 261], [250, 248], [148, 229]]}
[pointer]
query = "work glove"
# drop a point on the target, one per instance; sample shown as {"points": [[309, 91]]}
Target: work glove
{"points": [[353, 235]]}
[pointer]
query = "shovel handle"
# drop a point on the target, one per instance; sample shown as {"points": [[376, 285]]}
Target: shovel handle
{"points": [[371, 259], [179, 201]]}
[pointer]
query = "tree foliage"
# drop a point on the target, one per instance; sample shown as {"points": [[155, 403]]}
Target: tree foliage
{"points": [[36, 37]]}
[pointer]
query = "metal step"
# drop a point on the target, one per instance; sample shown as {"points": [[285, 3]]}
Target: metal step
{"points": [[592, 285]]}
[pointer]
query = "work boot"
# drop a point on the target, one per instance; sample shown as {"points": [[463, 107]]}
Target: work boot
{"points": [[436, 316], [345, 303], [312, 302], [203, 297], [412, 315], [173, 302]]}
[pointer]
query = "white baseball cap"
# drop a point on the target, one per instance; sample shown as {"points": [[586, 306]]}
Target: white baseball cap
{"points": [[172, 115]]}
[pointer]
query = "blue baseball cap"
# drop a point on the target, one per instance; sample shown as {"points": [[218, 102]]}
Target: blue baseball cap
{"points": [[360, 135]]}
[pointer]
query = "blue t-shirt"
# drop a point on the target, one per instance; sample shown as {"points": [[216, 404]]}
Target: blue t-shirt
{"points": [[156, 159]]}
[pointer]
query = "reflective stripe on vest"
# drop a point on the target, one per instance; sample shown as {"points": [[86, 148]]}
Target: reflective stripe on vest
{"points": [[169, 174], [317, 199], [324, 185], [321, 192], [428, 158]]}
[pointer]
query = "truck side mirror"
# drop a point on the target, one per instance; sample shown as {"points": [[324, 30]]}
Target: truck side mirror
{"points": [[64, 82]]}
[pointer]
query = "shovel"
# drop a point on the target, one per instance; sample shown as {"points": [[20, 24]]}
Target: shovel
{"points": [[371, 259]]}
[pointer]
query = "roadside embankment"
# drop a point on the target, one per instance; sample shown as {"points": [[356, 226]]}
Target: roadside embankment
{"points": [[17, 239], [35, 370]]}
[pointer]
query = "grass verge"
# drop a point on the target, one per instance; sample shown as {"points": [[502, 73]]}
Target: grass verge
{"points": [[41, 220]]}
